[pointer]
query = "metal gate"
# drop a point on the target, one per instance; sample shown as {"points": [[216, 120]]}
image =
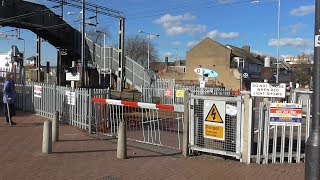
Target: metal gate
{"points": [[155, 124], [215, 125], [279, 143]]}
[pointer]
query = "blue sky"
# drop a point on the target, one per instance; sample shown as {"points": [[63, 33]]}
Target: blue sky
{"points": [[181, 24]]}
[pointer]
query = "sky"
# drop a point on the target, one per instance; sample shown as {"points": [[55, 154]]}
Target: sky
{"points": [[181, 24]]}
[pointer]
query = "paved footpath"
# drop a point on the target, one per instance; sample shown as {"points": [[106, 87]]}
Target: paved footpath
{"points": [[78, 156]]}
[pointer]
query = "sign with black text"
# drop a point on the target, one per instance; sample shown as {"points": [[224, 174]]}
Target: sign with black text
{"points": [[268, 90]]}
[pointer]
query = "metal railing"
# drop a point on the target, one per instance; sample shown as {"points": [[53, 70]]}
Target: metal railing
{"points": [[135, 74], [73, 105], [155, 124], [168, 95], [279, 143]]}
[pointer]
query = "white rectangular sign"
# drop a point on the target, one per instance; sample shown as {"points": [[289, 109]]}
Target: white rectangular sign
{"points": [[71, 77], [71, 98], [268, 89], [202, 84], [37, 91]]}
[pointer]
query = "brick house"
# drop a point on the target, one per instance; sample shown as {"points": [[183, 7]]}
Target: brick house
{"points": [[225, 61]]}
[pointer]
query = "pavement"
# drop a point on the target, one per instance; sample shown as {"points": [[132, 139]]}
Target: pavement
{"points": [[80, 156]]}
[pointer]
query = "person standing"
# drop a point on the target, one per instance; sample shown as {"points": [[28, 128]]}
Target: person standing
{"points": [[9, 98]]}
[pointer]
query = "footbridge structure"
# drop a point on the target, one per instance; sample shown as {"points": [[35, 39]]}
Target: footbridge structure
{"points": [[100, 62]]}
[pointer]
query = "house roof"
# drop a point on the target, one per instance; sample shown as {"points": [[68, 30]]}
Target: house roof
{"points": [[207, 39], [242, 53]]}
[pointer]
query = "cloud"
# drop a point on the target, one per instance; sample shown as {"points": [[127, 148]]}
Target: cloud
{"points": [[176, 43], [258, 52], [190, 44], [168, 54], [178, 25], [290, 42], [215, 34], [283, 56], [302, 10], [295, 28], [189, 29], [224, 1]]}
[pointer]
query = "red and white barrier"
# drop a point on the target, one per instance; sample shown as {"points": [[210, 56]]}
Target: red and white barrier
{"points": [[163, 107]]}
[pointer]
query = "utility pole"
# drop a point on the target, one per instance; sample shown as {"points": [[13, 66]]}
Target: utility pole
{"points": [[38, 59], [122, 60], [312, 164], [278, 47], [83, 63], [62, 9]]}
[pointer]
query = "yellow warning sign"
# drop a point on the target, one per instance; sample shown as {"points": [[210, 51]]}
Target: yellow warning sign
{"points": [[179, 93], [214, 115], [214, 132]]}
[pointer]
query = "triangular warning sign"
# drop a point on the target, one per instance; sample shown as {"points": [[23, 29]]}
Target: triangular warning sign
{"points": [[214, 115]]}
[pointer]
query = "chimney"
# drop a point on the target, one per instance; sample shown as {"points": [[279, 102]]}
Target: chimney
{"points": [[246, 47]]}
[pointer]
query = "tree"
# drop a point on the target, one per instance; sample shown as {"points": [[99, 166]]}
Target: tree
{"points": [[302, 69], [136, 48]]}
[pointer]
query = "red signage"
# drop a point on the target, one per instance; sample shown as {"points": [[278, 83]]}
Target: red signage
{"points": [[168, 93]]}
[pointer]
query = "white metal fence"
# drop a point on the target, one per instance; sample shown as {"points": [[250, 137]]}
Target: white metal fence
{"points": [[168, 94], [281, 143], [74, 105], [155, 124]]}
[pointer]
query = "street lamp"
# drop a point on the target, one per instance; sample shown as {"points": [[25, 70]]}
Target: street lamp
{"points": [[277, 77], [23, 61], [149, 34], [79, 14]]}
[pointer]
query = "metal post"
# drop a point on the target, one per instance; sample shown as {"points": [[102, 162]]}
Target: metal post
{"points": [[110, 72], [312, 164], [148, 52], [122, 141], [46, 139], [83, 63], [62, 9], [121, 67], [104, 60], [55, 127], [185, 143], [277, 77], [72, 82], [38, 58]]}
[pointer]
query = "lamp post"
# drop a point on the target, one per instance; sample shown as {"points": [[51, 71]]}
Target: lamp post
{"points": [[22, 77], [312, 159], [83, 64], [79, 14], [277, 77], [149, 34]]}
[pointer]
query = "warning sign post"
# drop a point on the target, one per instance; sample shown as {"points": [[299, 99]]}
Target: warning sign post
{"points": [[214, 119]]}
